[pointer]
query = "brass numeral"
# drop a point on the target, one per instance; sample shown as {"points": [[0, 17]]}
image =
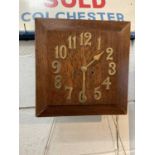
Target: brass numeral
{"points": [[85, 38], [97, 93], [82, 97], [61, 52], [107, 83], [99, 43], [112, 68], [69, 89], [109, 52], [58, 83], [57, 66], [72, 42]]}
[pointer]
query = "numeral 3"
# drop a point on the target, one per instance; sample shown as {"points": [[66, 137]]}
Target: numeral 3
{"points": [[112, 68]]}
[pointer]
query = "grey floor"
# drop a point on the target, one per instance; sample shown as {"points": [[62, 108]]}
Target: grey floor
{"points": [[80, 135]]}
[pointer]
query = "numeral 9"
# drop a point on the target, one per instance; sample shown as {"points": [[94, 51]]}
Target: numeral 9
{"points": [[57, 66]]}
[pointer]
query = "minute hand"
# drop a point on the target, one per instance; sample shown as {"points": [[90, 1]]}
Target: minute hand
{"points": [[95, 58]]}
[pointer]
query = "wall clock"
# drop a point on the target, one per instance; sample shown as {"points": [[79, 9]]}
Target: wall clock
{"points": [[81, 67]]}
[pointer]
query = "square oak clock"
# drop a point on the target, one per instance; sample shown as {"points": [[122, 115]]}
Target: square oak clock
{"points": [[81, 67]]}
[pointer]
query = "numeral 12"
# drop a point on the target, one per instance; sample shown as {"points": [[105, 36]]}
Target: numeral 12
{"points": [[85, 38]]}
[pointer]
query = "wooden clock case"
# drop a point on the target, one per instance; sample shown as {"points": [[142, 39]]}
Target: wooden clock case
{"points": [[120, 31]]}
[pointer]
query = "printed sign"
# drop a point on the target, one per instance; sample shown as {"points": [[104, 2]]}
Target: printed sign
{"points": [[115, 10]]}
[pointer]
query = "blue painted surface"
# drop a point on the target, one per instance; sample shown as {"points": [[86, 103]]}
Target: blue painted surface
{"points": [[30, 35]]}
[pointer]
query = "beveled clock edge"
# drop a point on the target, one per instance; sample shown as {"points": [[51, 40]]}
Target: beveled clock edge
{"points": [[85, 20], [51, 111], [55, 24], [39, 97], [39, 112]]}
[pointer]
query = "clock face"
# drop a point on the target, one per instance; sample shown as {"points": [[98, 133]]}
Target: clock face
{"points": [[81, 67]]}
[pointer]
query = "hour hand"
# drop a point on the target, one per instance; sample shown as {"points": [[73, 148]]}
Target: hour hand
{"points": [[98, 56], [95, 58]]}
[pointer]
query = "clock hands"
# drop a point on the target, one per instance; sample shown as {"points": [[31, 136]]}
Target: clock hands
{"points": [[82, 96], [95, 58]]}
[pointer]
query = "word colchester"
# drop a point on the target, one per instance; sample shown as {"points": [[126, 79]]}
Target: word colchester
{"points": [[54, 11]]}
